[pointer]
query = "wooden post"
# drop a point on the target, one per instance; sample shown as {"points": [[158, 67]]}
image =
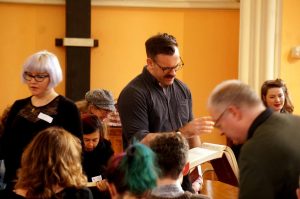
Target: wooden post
{"points": [[78, 47]]}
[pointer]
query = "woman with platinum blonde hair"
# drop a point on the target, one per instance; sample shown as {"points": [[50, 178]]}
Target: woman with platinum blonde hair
{"points": [[44, 108], [51, 167]]}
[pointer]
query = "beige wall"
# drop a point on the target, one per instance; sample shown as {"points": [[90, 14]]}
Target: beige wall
{"points": [[211, 54], [26, 29], [208, 43], [290, 68]]}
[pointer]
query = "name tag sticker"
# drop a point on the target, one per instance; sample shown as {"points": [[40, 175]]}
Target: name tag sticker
{"points": [[96, 178], [45, 117]]}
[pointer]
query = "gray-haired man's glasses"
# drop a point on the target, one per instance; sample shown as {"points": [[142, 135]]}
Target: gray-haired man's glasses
{"points": [[219, 118]]}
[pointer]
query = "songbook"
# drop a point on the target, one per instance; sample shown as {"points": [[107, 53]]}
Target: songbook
{"points": [[221, 158], [91, 184]]}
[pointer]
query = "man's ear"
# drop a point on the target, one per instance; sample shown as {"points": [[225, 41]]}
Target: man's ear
{"points": [[186, 169], [112, 190], [235, 111], [149, 62]]}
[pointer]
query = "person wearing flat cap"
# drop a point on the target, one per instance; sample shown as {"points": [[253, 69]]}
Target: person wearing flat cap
{"points": [[101, 102]]}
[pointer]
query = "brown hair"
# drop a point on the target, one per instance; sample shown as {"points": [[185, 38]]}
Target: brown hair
{"points": [[171, 150], [91, 123], [161, 43], [277, 83], [53, 158], [82, 106]]}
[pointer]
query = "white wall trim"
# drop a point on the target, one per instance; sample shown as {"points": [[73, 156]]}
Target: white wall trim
{"points": [[228, 4], [259, 52]]}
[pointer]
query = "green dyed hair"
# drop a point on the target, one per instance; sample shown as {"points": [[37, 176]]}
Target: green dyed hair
{"points": [[134, 171]]}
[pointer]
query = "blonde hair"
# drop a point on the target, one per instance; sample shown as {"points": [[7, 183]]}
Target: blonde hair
{"points": [[83, 106], [53, 158]]}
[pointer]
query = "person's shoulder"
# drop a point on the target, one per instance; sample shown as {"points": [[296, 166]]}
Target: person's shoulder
{"points": [[180, 83], [104, 144], [64, 101], [181, 86], [13, 195], [188, 194], [22, 101], [135, 89], [18, 104], [76, 193], [134, 84]]}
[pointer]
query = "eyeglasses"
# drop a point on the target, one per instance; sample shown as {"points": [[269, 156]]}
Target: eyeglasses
{"points": [[220, 117], [237, 94], [176, 68], [39, 78], [105, 111]]}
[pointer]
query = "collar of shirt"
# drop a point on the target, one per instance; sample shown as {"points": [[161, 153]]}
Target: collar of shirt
{"points": [[169, 191], [150, 77], [258, 121]]}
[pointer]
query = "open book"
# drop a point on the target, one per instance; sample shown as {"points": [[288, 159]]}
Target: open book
{"points": [[221, 158]]}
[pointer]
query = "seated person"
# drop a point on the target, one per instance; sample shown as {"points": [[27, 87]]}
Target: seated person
{"points": [[96, 153], [171, 150], [274, 95], [100, 102], [132, 174], [51, 168]]}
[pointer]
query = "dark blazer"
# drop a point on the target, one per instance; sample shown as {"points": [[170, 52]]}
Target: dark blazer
{"points": [[270, 160]]}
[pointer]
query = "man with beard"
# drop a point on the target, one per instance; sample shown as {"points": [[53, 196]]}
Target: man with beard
{"points": [[156, 101]]}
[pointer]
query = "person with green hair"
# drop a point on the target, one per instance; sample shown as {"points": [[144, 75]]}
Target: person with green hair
{"points": [[132, 174]]}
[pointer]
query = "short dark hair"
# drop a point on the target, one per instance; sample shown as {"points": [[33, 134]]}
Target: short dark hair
{"points": [[91, 123], [161, 43], [171, 151]]}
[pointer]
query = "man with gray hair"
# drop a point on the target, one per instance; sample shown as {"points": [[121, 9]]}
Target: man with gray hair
{"points": [[269, 161]]}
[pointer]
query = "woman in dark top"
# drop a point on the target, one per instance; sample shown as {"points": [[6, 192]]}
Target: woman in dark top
{"points": [[44, 108], [51, 168], [96, 153]]}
